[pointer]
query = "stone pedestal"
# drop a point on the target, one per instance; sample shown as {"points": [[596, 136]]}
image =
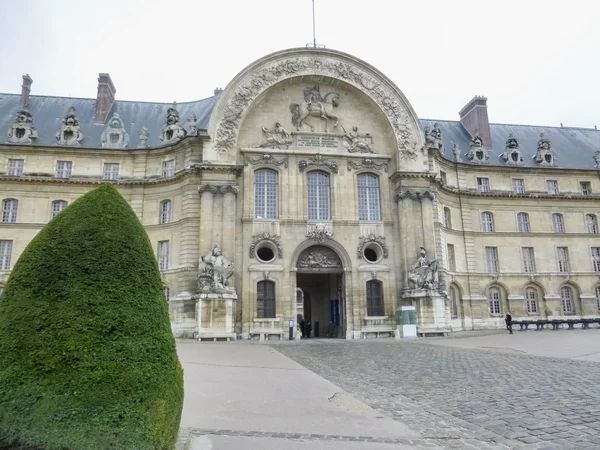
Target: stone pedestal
{"points": [[430, 305], [215, 313]]}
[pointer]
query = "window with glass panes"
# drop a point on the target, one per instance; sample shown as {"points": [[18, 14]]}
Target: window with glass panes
{"points": [[111, 171], [487, 222], [566, 296], [531, 301], [494, 301], [552, 186], [167, 293], [318, 195], [265, 194], [5, 254], [563, 259], [483, 184], [163, 255], [447, 218], [165, 212], [168, 168], [64, 169], [518, 185], [374, 298], [368, 197], [15, 167], [491, 259], [558, 224], [596, 259], [9, 210], [265, 301], [591, 223], [451, 258], [598, 297], [453, 302], [523, 222], [58, 206], [528, 259], [586, 188]]}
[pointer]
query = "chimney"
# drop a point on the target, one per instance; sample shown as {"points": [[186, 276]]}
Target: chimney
{"points": [[25, 90], [474, 118], [218, 90], [106, 97]]}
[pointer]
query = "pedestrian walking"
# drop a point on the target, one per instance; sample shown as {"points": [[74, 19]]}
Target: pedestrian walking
{"points": [[508, 321]]}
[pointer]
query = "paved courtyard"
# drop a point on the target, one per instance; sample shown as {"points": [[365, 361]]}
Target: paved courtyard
{"points": [[477, 392]]}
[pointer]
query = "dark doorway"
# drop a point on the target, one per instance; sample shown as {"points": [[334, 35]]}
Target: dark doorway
{"points": [[323, 305]]}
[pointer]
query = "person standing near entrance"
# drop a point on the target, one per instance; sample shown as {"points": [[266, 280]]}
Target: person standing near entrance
{"points": [[508, 321]]}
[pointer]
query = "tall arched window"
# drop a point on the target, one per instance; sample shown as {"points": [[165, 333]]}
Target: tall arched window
{"points": [[495, 301], [523, 222], [374, 298], [531, 301], [487, 222], [368, 198], [558, 224], [9, 210], [566, 296], [165, 212], [591, 223], [58, 206], [447, 218], [454, 296], [318, 195], [265, 194], [265, 301]]}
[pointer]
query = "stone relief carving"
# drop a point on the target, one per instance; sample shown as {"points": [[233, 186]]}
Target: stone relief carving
{"points": [[424, 274], [319, 258], [172, 131], [70, 132], [414, 194], [319, 232], [213, 272], [193, 124], [367, 163], [273, 238], [208, 188], [260, 80], [276, 138], [143, 138], [115, 136], [364, 240], [597, 158], [357, 143], [456, 153], [22, 131], [433, 138], [266, 159], [512, 153], [318, 161], [317, 106], [477, 153], [545, 156]]}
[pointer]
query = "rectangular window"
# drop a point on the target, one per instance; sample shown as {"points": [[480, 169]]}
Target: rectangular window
{"points": [[165, 211], [5, 254], [368, 198], [558, 224], [563, 259], [531, 301], [491, 259], [586, 188], [318, 196], [598, 297], [451, 258], [494, 299], [528, 259], [64, 169], [552, 186], [265, 194], [596, 258], [483, 185], [374, 299], [168, 168], [443, 177], [518, 185], [163, 255], [15, 167], [111, 171], [265, 302], [167, 292]]}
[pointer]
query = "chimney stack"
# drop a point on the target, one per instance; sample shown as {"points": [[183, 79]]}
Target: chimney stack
{"points": [[474, 118], [218, 90], [25, 90], [106, 97]]}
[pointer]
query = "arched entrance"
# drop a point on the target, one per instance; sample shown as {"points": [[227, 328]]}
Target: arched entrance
{"points": [[320, 279]]}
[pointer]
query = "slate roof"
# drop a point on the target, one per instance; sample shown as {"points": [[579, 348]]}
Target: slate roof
{"points": [[49, 112], [573, 148]]}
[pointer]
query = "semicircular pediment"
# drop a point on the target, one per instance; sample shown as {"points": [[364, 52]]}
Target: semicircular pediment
{"points": [[319, 257]]}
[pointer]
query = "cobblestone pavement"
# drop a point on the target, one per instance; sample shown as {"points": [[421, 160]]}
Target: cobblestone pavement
{"points": [[465, 398]]}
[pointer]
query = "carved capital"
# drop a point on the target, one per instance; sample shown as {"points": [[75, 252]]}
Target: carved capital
{"points": [[266, 160], [208, 188], [229, 189], [414, 194]]}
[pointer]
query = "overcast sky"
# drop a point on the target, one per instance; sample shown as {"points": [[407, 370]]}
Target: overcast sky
{"points": [[537, 61]]}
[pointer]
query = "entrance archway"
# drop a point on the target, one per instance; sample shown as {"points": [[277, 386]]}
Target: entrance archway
{"points": [[320, 279]]}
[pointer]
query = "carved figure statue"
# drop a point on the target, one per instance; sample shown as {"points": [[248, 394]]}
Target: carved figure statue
{"points": [[512, 154], [357, 143], [279, 137], [424, 274], [477, 152], [477, 141], [213, 272], [456, 152], [143, 138], [512, 142], [544, 155], [172, 131], [315, 106], [22, 131], [544, 143], [70, 132], [193, 124], [115, 136], [433, 137], [597, 158]]}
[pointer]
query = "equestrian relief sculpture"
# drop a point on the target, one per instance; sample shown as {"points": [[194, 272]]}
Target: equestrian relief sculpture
{"points": [[315, 106], [214, 270]]}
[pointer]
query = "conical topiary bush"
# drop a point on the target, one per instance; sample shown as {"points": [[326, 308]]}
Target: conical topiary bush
{"points": [[87, 357]]}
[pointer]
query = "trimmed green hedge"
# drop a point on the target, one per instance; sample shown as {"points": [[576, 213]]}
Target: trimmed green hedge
{"points": [[87, 357]]}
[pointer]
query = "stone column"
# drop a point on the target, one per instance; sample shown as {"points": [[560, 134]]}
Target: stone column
{"points": [[229, 192], [207, 193], [217, 218], [402, 200], [410, 236], [428, 240]]}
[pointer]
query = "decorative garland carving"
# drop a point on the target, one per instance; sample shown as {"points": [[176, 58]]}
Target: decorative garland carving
{"points": [[273, 238], [318, 161], [364, 240], [227, 129], [367, 164], [318, 232], [266, 159]]}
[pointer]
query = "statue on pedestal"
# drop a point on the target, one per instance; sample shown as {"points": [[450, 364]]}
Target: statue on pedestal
{"points": [[213, 272], [424, 274]]}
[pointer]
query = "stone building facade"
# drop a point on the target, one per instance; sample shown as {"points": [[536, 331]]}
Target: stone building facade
{"points": [[309, 188]]}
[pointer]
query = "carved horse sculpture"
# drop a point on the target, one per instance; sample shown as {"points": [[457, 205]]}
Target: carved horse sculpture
{"points": [[316, 106]]}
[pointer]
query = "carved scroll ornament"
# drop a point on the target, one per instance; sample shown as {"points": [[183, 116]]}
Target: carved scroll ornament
{"points": [[319, 232], [318, 161]]}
